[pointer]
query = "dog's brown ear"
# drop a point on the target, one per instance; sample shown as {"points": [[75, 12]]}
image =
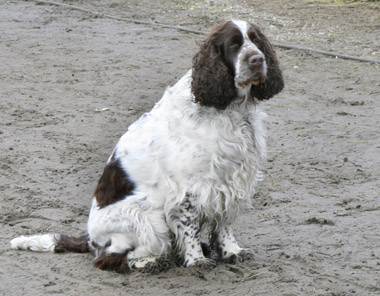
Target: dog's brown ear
{"points": [[274, 82], [212, 81]]}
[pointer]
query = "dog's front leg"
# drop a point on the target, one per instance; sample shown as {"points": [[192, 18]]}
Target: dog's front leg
{"points": [[185, 224], [229, 249]]}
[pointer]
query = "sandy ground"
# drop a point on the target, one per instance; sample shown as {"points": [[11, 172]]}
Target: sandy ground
{"points": [[314, 225]]}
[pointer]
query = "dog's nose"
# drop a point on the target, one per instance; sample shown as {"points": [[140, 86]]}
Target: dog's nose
{"points": [[256, 61]]}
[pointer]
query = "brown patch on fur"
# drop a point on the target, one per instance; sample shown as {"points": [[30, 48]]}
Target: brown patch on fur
{"points": [[72, 244], [213, 74], [114, 185], [112, 262], [274, 83]]}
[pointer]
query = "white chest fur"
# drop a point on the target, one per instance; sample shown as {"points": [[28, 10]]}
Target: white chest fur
{"points": [[182, 148]]}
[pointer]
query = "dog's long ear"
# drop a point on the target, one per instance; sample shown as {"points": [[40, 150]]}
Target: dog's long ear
{"points": [[212, 81], [274, 82]]}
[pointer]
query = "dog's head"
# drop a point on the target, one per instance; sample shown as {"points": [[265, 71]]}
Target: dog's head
{"points": [[235, 55]]}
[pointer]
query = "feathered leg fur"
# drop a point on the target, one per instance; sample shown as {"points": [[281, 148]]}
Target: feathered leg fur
{"points": [[223, 239], [185, 225]]}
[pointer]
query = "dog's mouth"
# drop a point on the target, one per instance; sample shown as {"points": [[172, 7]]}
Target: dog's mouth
{"points": [[246, 81]]}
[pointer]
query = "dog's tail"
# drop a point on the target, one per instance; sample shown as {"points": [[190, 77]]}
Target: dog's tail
{"points": [[55, 243]]}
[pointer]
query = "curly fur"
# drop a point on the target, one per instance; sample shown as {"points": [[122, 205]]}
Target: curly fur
{"points": [[212, 80], [274, 82]]}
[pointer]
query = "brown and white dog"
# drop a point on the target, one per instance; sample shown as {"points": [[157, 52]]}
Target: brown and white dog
{"points": [[192, 162]]}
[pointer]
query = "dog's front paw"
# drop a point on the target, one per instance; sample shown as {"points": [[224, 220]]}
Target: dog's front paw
{"points": [[201, 263], [243, 255]]}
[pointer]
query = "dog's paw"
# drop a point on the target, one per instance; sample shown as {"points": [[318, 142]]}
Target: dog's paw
{"points": [[246, 255], [202, 263], [243, 255], [151, 265]]}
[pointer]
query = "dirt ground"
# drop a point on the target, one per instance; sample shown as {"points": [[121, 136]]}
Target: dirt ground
{"points": [[71, 83]]}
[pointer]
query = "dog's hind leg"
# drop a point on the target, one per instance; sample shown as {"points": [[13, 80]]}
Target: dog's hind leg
{"points": [[129, 236]]}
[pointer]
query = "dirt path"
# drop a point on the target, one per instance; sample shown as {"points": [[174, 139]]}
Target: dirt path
{"points": [[71, 83]]}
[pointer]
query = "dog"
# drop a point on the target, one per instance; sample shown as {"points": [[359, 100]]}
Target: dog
{"points": [[191, 163]]}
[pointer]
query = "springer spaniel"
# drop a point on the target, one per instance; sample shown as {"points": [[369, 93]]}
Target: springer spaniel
{"points": [[191, 162]]}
